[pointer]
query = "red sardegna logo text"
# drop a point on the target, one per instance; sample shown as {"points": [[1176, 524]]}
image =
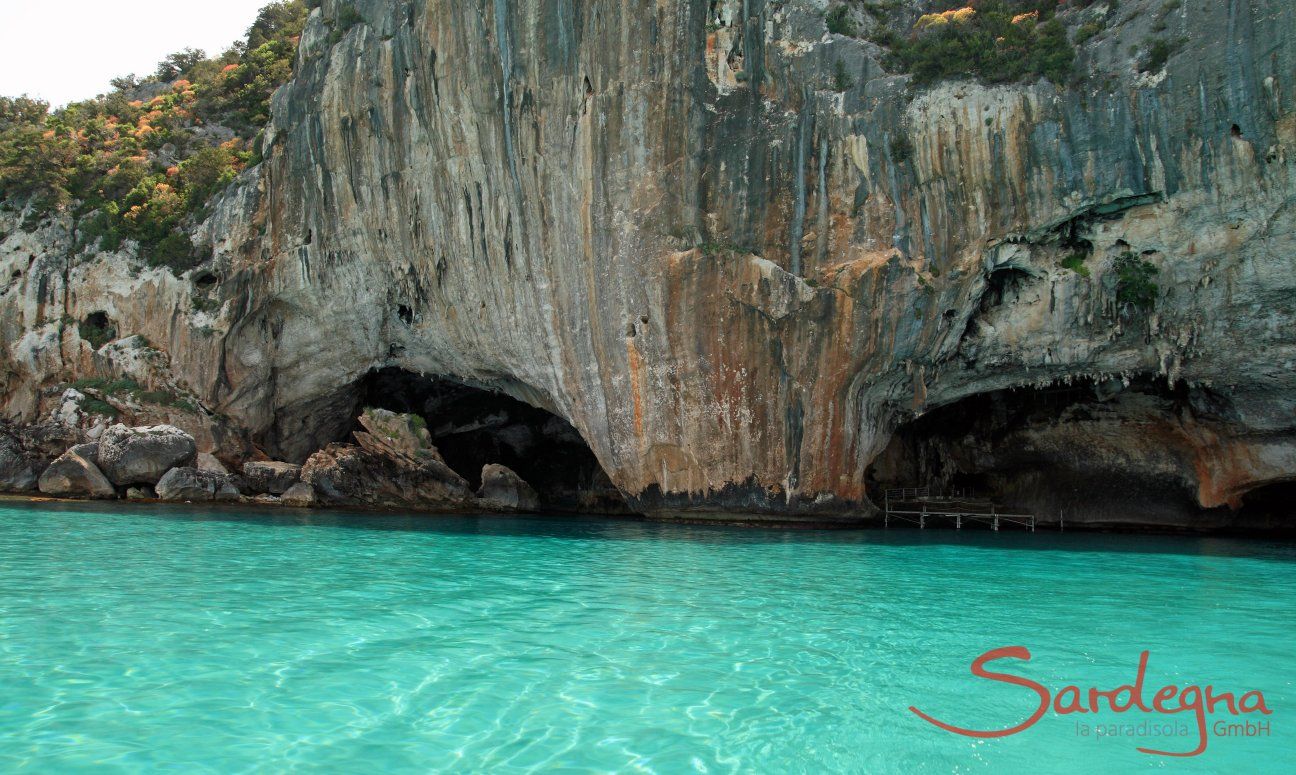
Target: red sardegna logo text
{"points": [[1168, 700]]}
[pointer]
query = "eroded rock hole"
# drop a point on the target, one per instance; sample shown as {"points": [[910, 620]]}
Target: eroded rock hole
{"points": [[1003, 286], [97, 329], [1269, 508], [472, 426]]}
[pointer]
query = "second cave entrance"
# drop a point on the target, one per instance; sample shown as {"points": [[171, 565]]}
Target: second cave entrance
{"points": [[472, 426]]}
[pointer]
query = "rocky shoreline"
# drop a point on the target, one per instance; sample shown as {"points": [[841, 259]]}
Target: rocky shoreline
{"points": [[391, 464]]}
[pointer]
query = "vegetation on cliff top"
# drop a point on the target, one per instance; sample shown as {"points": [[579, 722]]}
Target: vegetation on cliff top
{"points": [[995, 41], [138, 162]]}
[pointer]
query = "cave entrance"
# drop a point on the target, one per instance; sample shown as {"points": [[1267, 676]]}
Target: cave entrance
{"points": [[473, 426], [1097, 451], [1269, 508]]}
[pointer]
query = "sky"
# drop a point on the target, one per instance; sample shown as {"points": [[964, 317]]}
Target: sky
{"points": [[68, 50]]}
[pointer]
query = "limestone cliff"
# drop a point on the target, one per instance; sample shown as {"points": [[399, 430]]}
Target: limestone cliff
{"points": [[746, 283]]}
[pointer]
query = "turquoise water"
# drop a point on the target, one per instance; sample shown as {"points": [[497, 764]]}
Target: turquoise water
{"points": [[220, 641]]}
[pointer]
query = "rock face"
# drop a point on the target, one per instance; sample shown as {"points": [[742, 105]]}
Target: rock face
{"points": [[72, 475], [192, 484], [503, 489], [270, 477], [743, 293], [208, 462], [144, 455], [17, 469]]}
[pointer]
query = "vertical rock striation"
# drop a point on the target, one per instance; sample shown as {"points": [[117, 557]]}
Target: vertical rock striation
{"points": [[666, 224]]}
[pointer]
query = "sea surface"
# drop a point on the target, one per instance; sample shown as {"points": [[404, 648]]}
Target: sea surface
{"points": [[137, 638]]}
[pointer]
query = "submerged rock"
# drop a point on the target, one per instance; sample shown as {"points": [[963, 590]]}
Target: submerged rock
{"points": [[141, 494], [300, 495], [75, 476], [192, 484], [270, 477], [144, 455], [503, 488]]}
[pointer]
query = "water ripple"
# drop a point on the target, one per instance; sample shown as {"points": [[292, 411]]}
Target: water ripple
{"points": [[217, 641]]}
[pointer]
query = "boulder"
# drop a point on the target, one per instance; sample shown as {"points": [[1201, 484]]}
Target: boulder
{"points": [[141, 494], [71, 475], [391, 434], [45, 442], [17, 469], [270, 477], [143, 455], [502, 488], [300, 495], [208, 462], [89, 451], [192, 484], [351, 475]]}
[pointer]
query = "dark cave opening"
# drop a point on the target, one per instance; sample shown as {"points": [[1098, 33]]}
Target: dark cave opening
{"points": [[1092, 450], [1003, 286], [473, 426], [1270, 507]]}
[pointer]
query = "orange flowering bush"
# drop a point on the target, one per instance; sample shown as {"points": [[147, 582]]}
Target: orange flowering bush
{"points": [[141, 164], [995, 41]]}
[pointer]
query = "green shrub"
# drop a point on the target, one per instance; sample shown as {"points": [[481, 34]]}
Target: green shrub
{"points": [[347, 17], [841, 79], [127, 387], [175, 251], [1087, 32], [155, 397], [1158, 54], [902, 149], [1134, 282], [839, 21], [97, 330], [102, 408], [203, 303], [1076, 263], [102, 155], [997, 41]]}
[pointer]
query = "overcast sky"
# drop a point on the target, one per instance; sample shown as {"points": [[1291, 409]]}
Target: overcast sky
{"points": [[67, 50]]}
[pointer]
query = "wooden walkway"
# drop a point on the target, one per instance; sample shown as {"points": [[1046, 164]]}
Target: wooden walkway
{"points": [[920, 506]]}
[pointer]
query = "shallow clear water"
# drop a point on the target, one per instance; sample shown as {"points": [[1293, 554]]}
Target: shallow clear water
{"points": [[223, 641]]}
